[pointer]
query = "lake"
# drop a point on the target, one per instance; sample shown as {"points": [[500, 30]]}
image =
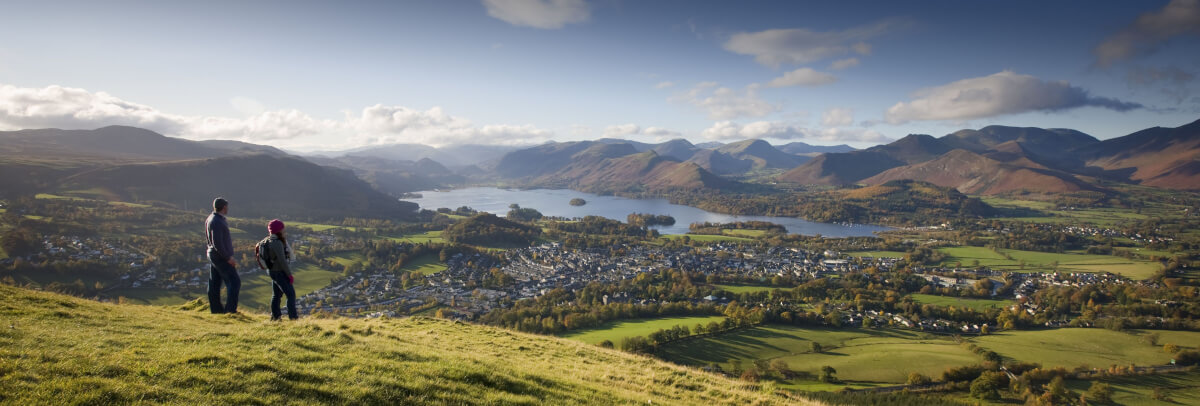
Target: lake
{"points": [[555, 202]]}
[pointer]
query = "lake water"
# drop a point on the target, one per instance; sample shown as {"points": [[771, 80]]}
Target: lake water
{"points": [[554, 202]]}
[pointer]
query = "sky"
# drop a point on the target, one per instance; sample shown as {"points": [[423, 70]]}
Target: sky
{"points": [[335, 75]]}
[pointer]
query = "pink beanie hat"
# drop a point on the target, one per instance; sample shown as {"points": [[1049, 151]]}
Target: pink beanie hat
{"points": [[275, 226]]}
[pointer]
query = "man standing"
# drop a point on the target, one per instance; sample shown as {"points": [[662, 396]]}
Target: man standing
{"points": [[222, 268]]}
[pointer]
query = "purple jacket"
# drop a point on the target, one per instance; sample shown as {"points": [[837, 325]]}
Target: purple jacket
{"points": [[219, 240]]}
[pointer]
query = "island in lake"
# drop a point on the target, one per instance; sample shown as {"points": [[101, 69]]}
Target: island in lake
{"points": [[578, 202]]}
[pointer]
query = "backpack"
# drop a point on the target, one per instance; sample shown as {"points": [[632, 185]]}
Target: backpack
{"points": [[262, 254]]}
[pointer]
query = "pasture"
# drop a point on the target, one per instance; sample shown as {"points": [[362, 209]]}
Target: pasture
{"points": [[1011, 260], [1072, 347], [426, 264], [616, 330], [859, 355]]}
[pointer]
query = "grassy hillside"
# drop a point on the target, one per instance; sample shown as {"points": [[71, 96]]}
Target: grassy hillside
{"points": [[59, 349]]}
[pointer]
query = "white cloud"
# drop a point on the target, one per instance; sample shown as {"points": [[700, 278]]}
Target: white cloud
{"points": [[844, 63], [544, 14], [1150, 31], [661, 134], [836, 117], [729, 131], [617, 131], [998, 94], [800, 45], [803, 77], [74, 108], [664, 85], [722, 103]]}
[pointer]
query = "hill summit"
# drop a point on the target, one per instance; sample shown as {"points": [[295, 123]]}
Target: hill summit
{"points": [[59, 349]]}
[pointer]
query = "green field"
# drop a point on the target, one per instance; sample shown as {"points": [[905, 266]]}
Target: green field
{"points": [[347, 258], [1043, 261], [426, 264], [745, 233], [428, 236], [708, 237], [859, 355], [255, 294], [1100, 216], [320, 227], [1072, 347], [616, 330], [977, 304], [256, 287], [1180, 388], [876, 254], [747, 288], [58, 349]]}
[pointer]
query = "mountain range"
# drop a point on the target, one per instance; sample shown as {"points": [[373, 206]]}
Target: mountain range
{"points": [[998, 159]]}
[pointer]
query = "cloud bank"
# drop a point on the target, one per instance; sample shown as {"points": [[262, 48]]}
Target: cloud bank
{"points": [[1150, 31], [802, 77], [74, 108], [800, 46], [544, 14], [998, 94]]}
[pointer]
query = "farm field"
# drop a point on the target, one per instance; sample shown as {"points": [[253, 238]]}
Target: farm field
{"points": [[255, 293], [256, 287], [1072, 347], [748, 288], [977, 304], [615, 331], [425, 264], [1043, 261], [1179, 388], [708, 237], [320, 227], [859, 355], [428, 236], [347, 258], [876, 254]]}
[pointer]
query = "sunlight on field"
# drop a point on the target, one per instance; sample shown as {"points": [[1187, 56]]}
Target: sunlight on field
{"points": [[977, 304], [615, 331], [1044, 261]]}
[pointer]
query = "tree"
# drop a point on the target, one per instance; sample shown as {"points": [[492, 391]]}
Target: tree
{"points": [[1170, 348], [1100, 392], [828, 374], [986, 386], [816, 347], [782, 368], [916, 378]]}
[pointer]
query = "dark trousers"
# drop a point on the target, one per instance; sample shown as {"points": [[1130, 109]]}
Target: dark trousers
{"points": [[280, 285], [221, 272]]}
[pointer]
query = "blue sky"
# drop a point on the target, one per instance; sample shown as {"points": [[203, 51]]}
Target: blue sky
{"points": [[323, 75]]}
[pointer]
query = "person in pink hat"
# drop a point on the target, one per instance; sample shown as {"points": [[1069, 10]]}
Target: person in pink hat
{"points": [[274, 254]]}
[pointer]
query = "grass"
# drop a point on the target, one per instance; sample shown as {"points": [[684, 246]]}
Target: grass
{"points": [[320, 227], [708, 238], [744, 233], [1072, 347], [1043, 261], [1180, 388], [428, 236], [859, 355], [616, 330], [255, 294], [967, 303], [876, 254], [60, 350], [60, 197], [426, 264], [347, 258], [748, 288], [256, 287]]}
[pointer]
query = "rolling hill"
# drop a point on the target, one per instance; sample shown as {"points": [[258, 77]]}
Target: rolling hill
{"points": [[632, 173], [63, 350], [1161, 157], [120, 144], [973, 173], [263, 185], [800, 148], [761, 155]]}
